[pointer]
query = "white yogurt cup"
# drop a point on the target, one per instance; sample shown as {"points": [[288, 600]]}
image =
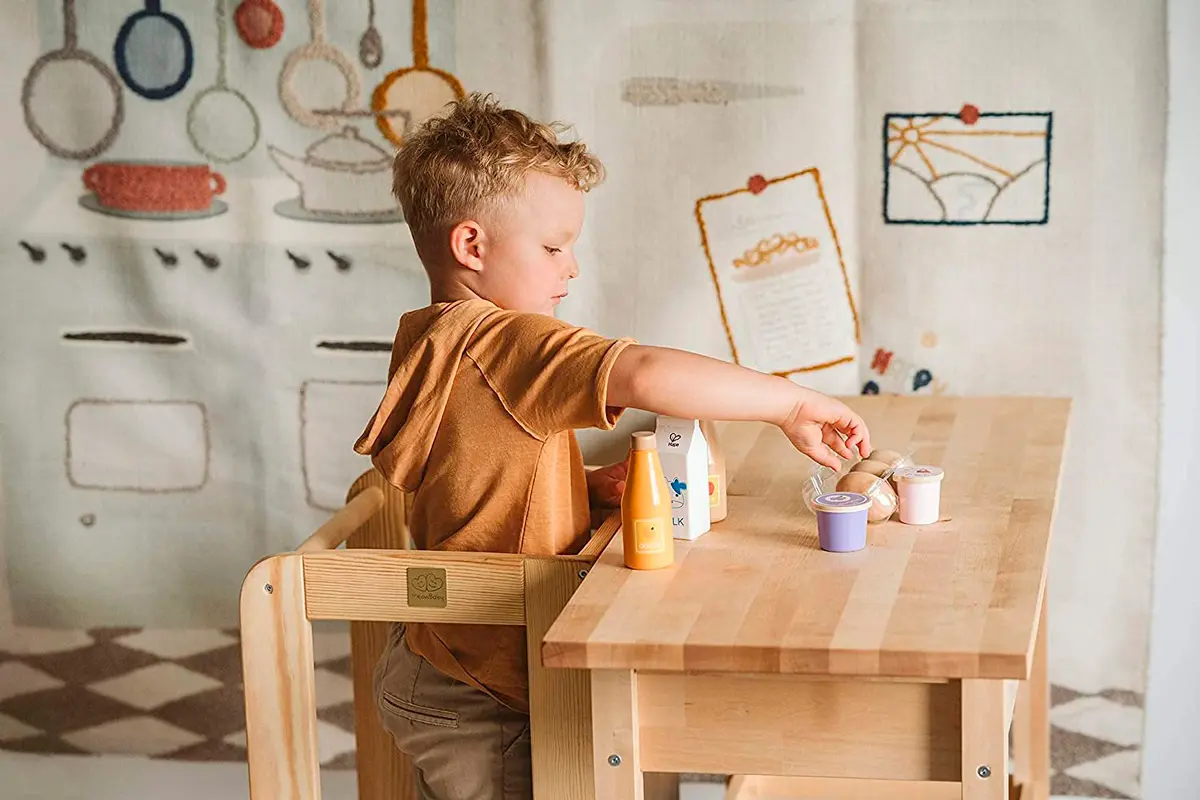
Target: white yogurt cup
{"points": [[920, 491]]}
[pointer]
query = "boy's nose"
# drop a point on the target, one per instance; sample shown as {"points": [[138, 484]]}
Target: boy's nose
{"points": [[574, 270]]}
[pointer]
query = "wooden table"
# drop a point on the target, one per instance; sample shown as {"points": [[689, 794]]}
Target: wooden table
{"points": [[892, 672]]}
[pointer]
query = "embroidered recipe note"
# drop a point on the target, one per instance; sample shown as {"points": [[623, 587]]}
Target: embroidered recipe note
{"points": [[781, 284]]}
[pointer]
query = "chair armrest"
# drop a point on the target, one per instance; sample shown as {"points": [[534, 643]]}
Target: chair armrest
{"points": [[345, 521]]}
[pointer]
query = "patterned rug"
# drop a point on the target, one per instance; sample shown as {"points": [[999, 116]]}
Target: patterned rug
{"points": [[177, 694]]}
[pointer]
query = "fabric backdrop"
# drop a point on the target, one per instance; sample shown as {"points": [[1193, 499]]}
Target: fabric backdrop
{"points": [[900, 196]]}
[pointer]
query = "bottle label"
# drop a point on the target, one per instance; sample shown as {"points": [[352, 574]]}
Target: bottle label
{"points": [[648, 535], [714, 490]]}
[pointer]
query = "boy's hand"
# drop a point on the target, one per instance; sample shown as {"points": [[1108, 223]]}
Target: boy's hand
{"points": [[824, 428], [607, 484]]}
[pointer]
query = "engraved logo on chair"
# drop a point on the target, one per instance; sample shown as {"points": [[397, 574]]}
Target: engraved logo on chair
{"points": [[426, 587]]}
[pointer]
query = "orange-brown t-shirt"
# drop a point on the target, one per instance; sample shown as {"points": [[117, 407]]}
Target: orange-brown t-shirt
{"points": [[478, 422]]}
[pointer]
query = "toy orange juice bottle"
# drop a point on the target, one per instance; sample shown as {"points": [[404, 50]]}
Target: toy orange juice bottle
{"points": [[646, 508], [717, 500]]}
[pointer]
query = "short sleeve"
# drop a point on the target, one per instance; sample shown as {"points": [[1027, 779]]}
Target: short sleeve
{"points": [[549, 375]]}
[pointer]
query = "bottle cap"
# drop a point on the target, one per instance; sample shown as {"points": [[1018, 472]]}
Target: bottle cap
{"points": [[644, 440]]}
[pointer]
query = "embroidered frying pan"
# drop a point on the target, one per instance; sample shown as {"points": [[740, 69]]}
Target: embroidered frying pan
{"points": [[259, 23], [73, 103], [420, 90], [153, 53], [296, 79], [221, 122]]}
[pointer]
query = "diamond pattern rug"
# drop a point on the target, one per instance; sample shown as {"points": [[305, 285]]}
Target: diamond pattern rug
{"points": [[177, 694]]}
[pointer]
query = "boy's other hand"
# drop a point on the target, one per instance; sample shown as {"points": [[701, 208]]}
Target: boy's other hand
{"points": [[825, 429], [607, 484]]}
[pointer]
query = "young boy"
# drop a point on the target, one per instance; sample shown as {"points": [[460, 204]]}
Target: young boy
{"points": [[485, 391]]}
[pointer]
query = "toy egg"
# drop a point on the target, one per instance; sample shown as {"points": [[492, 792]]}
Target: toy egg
{"points": [[876, 468], [883, 498], [889, 457]]}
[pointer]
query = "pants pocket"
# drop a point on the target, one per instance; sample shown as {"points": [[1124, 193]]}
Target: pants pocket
{"points": [[401, 692], [414, 712]]}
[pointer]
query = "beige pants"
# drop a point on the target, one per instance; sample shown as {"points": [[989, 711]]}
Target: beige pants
{"points": [[464, 744]]}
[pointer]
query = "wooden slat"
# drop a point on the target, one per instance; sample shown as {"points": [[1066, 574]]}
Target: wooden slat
{"points": [[616, 751], [780, 725], [384, 773], [770, 787], [984, 741], [601, 537], [560, 703], [344, 522], [756, 594], [481, 588], [280, 682]]}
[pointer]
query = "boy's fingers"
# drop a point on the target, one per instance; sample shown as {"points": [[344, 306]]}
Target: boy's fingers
{"points": [[855, 429], [833, 440], [824, 456]]}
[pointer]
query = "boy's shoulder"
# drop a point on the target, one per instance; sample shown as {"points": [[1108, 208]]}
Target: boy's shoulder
{"points": [[489, 324]]}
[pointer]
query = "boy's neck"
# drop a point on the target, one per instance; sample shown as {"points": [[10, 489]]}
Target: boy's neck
{"points": [[450, 291]]}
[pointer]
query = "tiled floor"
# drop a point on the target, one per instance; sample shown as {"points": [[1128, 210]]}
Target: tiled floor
{"points": [[170, 696]]}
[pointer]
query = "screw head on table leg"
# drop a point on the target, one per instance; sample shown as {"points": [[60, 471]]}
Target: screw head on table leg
{"points": [[984, 771], [583, 573], [268, 588], [614, 760]]}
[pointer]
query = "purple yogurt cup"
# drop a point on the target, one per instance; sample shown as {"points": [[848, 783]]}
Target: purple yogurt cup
{"points": [[842, 521]]}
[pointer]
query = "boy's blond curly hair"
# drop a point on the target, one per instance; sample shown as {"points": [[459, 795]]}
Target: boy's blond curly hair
{"points": [[457, 163]]}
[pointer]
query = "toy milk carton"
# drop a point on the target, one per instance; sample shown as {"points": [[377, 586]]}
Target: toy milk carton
{"points": [[684, 456]]}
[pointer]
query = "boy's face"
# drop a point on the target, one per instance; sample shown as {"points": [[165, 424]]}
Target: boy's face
{"points": [[524, 256]]}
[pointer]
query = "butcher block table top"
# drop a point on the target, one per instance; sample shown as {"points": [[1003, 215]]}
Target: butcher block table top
{"points": [[959, 599]]}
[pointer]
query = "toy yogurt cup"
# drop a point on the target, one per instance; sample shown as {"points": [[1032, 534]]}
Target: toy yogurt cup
{"points": [[842, 521], [920, 490]]}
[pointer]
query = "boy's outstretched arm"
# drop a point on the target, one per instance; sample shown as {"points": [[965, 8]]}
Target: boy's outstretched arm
{"points": [[682, 384]]}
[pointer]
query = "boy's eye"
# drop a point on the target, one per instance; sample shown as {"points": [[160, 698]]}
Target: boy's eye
{"points": [[553, 250]]}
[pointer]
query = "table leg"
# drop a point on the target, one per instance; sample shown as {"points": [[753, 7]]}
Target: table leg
{"points": [[616, 758], [1031, 721], [984, 741]]}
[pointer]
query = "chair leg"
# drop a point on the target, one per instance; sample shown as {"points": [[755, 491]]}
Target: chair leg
{"points": [[277, 666], [560, 702], [384, 773]]}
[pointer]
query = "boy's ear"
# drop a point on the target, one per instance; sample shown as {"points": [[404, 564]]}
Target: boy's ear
{"points": [[468, 242]]}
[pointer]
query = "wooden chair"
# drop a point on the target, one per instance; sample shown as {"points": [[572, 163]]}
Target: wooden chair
{"points": [[369, 584]]}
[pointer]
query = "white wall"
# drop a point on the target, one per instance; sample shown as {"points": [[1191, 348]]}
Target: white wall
{"points": [[1170, 767]]}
